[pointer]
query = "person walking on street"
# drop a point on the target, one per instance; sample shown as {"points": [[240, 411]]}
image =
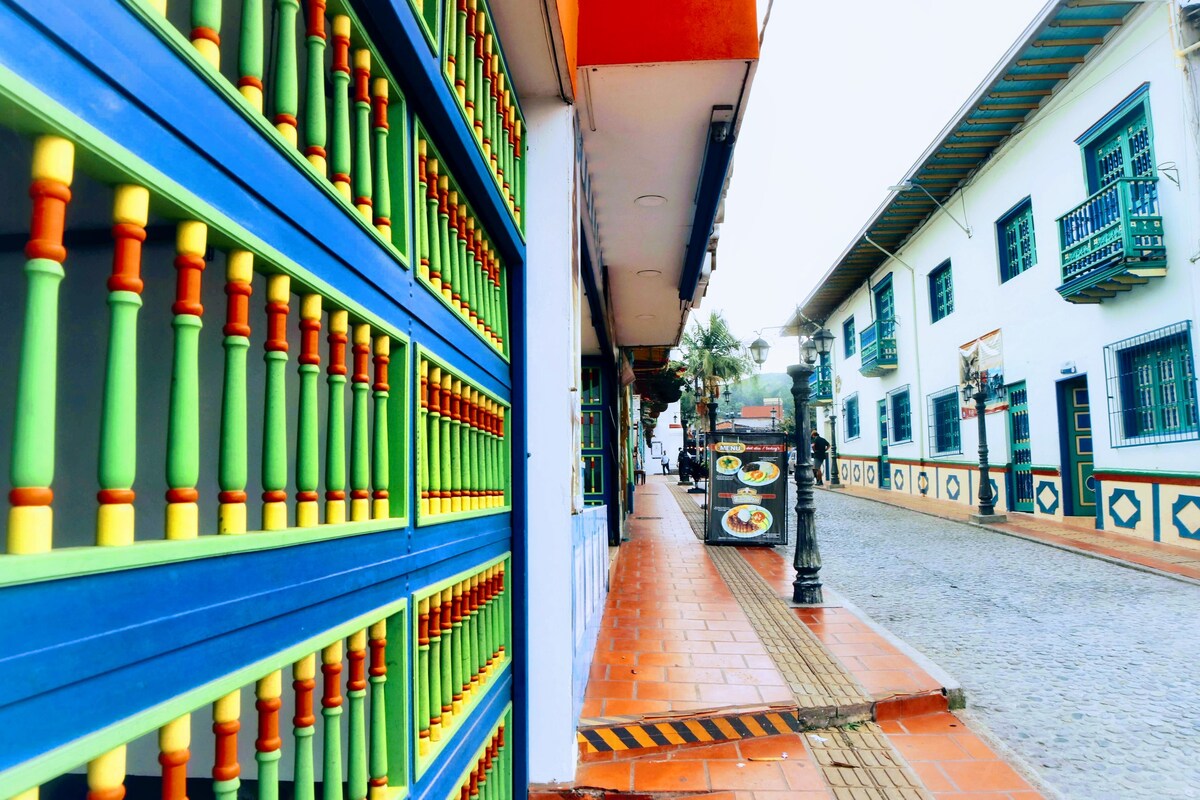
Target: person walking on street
{"points": [[820, 449], [666, 464]]}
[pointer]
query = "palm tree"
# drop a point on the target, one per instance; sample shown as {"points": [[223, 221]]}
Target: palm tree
{"points": [[713, 354]]}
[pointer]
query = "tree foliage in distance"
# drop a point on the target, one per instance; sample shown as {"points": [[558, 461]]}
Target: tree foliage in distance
{"points": [[711, 350]]}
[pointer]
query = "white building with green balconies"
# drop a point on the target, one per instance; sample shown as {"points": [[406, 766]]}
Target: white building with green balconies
{"points": [[1047, 240]]}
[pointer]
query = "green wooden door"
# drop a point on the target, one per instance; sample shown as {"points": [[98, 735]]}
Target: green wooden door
{"points": [[885, 467], [1079, 486], [1019, 446]]}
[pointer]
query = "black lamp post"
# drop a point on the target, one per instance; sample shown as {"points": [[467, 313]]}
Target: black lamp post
{"points": [[835, 481], [774, 414], [975, 388], [806, 588]]}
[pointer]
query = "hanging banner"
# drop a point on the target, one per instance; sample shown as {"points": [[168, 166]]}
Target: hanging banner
{"points": [[747, 489], [983, 356]]}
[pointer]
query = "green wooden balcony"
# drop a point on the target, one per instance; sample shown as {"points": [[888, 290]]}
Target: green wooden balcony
{"points": [[820, 386], [877, 346], [1112, 241]]}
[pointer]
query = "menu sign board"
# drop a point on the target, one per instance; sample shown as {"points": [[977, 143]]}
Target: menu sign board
{"points": [[747, 494]]}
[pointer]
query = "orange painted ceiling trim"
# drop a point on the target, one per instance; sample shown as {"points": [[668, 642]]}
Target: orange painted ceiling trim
{"points": [[657, 31]]}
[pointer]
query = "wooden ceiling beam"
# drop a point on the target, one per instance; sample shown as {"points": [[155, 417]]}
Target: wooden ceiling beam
{"points": [[995, 121], [1110, 22], [1022, 93], [1045, 76], [1089, 41], [1007, 106]]}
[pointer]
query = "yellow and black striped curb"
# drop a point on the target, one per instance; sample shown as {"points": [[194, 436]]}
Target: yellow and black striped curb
{"points": [[655, 732]]}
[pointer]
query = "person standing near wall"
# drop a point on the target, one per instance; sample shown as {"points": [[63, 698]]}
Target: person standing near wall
{"points": [[666, 463]]}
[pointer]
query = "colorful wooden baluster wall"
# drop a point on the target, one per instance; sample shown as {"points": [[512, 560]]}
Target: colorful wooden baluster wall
{"points": [[183, 426], [274, 447], [489, 776], [31, 517], [335, 428], [233, 465], [308, 467], [118, 420]]}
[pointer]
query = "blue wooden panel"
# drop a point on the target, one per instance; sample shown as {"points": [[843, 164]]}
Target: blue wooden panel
{"points": [[164, 112], [109, 645]]}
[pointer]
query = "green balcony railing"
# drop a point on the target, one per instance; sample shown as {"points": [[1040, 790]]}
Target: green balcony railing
{"points": [[1112, 241], [820, 386], [877, 347]]}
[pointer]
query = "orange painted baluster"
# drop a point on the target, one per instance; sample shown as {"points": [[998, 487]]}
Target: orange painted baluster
{"points": [[226, 724], [173, 741]]}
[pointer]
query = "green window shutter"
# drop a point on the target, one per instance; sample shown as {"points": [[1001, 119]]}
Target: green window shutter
{"points": [[941, 292], [1018, 249], [849, 340], [1152, 387]]}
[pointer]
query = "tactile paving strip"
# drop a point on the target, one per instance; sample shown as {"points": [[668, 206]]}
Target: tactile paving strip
{"points": [[814, 676], [860, 764]]}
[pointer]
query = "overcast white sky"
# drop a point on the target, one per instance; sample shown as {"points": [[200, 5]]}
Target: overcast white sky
{"points": [[847, 95]]}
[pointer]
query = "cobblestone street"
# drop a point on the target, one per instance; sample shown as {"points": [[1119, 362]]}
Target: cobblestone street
{"points": [[1084, 668]]}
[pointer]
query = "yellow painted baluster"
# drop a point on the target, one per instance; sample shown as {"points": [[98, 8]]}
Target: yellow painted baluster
{"points": [[106, 775]]}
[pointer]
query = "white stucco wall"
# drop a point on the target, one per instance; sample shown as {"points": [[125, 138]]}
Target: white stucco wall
{"points": [[1040, 330], [552, 220]]}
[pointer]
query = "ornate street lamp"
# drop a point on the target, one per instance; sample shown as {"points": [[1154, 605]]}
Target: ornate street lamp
{"points": [[759, 349], [806, 588], [975, 388], [774, 414], [835, 481]]}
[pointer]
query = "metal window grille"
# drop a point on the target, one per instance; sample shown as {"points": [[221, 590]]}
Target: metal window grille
{"points": [[900, 413], [941, 291], [1152, 387], [1018, 248], [851, 415], [850, 342], [945, 432]]}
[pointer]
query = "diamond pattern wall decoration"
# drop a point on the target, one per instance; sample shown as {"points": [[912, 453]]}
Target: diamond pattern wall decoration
{"points": [[1125, 508]]}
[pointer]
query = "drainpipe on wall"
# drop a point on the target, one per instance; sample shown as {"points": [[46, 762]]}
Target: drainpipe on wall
{"points": [[912, 273]]}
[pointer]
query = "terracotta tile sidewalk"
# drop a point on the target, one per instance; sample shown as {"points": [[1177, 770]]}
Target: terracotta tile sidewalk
{"points": [[1080, 536], [673, 638]]}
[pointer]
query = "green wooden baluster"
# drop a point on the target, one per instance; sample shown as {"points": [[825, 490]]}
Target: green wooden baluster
{"points": [[502, 304], [456, 622], [433, 441], [423, 493], [363, 189], [335, 426], [432, 235], [331, 714], [380, 465], [304, 724], [226, 771], [206, 30], [287, 78], [443, 236], [308, 433], [31, 469], [378, 723], [314, 97], [340, 156], [486, 108], [452, 279], [268, 747], [451, 44], [466, 274], [360, 450], [275, 445], [469, 60], [477, 72], [183, 425], [423, 677], [421, 221], [356, 696], [435, 668], [456, 447], [447, 452], [383, 188], [449, 654], [118, 420], [470, 457], [250, 54], [233, 471]]}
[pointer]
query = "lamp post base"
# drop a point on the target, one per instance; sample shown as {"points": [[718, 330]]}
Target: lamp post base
{"points": [[684, 483], [806, 593], [835, 486], [988, 519]]}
